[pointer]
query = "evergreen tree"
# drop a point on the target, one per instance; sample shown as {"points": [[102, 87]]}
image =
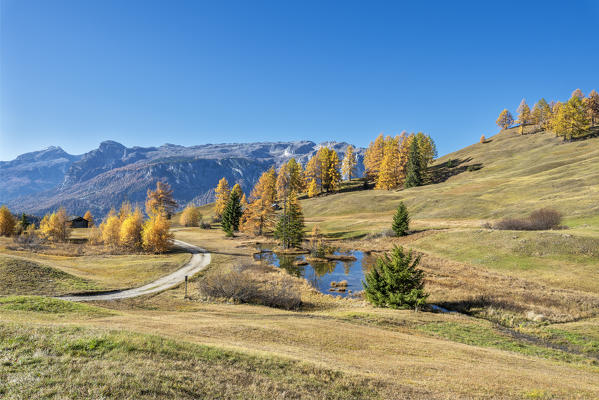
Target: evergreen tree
{"points": [[401, 220], [290, 228], [395, 281], [349, 163], [232, 214], [413, 174], [505, 119], [24, 221]]}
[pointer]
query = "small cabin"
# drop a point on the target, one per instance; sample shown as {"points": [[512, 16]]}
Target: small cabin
{"points": [[78, 222]]}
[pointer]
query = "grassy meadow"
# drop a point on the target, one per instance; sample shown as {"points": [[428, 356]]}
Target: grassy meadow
{"points": [[527, 326]]}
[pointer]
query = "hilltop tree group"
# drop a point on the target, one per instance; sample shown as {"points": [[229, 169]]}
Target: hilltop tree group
{"points": [[570, 120], [403, 160]]}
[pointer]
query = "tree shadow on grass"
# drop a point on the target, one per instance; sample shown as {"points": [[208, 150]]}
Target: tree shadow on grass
{"points": [[442, 172]]}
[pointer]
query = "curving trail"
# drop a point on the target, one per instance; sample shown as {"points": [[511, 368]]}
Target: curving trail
{"points": [[199, 261]]}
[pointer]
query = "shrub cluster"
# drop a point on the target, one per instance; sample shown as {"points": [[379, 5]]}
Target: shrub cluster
{"points": [[239, 285], [539, 220]]}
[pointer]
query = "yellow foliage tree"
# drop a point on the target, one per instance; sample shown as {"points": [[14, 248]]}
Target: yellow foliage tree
{"points": [[297, 182], [161, 201], [312, 188], [524, 115], [7, 222], [156, 235], [505, 119], [258, 216], [314, 171], [222, 196], [130, 231], [390, 170], [349, 163], [374, 157], [191, 216], [55, 226], [283, 181], [111, 230], [482, 139], [125, 211], [571, 120], [90, 218], [333, 178]]}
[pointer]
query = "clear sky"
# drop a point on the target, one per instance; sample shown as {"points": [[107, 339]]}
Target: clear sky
{"points": [[75, 73]]}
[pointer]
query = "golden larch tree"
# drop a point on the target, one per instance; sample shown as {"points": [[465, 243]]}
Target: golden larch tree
{"points": [[350, 163], [156, 235], [297, 182], [333, 178], [191, 216], [89, 218], [313, 171], [374, 157], [7, 222], [312, 188], [130, 231], [591, 104], [524, 117], [161, 200], [111, 230], [258, 216], [222, 192], [505, 119], [55, 226]]}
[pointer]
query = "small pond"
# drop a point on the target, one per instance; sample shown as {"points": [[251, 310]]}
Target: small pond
{"points": [[321, 274]]}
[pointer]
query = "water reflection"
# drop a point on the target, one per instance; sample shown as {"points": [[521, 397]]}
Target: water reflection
{"points": [[321, 274]]}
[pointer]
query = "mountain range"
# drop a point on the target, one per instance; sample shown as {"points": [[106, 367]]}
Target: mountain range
{"points": [[42, 181]]}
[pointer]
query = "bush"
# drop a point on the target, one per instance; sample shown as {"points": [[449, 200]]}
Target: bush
{"points": [[542, 219], [191, 216], [205, 225], [239, 285], [395, 281]]}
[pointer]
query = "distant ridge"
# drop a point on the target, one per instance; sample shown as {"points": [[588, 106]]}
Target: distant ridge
{"points": [[102, 178]]}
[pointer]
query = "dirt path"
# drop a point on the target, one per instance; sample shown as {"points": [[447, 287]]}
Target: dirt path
{"points": [[199, 260]]}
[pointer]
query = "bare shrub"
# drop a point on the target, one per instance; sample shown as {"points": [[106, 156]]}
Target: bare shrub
{"points": [[239, 285], [542, 219], [545, 218], [205, 225]]}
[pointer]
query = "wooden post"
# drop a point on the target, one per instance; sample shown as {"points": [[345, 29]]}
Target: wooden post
{"points": [[185, 287]]}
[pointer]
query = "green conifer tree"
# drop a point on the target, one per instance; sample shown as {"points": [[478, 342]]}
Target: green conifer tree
{"points": [[401, 220], [290, 228], [414, 173], [395, 281], [232, 214]]}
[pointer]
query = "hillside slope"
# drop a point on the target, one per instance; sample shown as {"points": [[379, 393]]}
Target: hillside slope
{"points": [[508, 175]]}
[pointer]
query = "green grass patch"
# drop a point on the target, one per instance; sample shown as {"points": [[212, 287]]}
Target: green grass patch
{"points": [[77, 363], [48, 305], [22, 277]]}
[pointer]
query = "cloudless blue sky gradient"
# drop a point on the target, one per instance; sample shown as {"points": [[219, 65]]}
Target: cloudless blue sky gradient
{"points": [[75, 73]]}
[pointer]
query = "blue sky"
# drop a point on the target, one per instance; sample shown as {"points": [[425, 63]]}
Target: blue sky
{"points": [[75, 73]]}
